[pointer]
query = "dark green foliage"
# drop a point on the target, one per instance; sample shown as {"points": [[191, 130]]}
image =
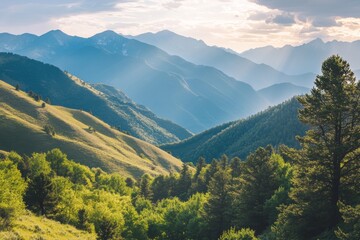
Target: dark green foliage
{"points": [[107, 229], [145, 184], [218, 207], [235, 166], [182, 189], [351, 216], [40, 195], [49, 130], [17, 87], [259, 179], [275, 126], [43, 105], [160, 188]]}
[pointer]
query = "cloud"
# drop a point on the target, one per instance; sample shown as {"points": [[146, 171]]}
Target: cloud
{"points": [[321, 13], [285, 19], [172, 4], [29, 13]]}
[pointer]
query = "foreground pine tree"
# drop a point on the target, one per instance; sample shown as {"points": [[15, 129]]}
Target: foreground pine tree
{"points": [[327, 168]]}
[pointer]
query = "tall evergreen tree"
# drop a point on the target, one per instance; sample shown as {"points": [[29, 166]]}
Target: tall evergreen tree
{"points": [[40, 194], [145, 186], [184, 183], [327, 166], [235, 166], [217, 208], [257, 183]]}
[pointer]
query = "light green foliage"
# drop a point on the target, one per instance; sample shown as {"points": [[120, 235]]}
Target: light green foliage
{"points": [[78, 173], [12, 188], [172, 219], [243, 234], [113, 183], [69, 201], [38, 165]]}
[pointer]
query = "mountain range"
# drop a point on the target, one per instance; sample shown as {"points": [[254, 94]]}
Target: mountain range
{"points": [[196, 51], [276, 125], [306, 58], [196, 97], [29, 125], [105, 102]]}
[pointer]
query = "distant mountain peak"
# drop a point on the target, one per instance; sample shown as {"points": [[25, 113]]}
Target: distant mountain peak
{"points": [[316, 41], [57, 35], [107, 34], [167, 32]]}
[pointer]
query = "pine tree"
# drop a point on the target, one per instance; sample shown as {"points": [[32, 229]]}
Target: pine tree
{"points": [[217, 208], [257, 183], [235, 166], [327, 166], [145, 184], [39, 196]]}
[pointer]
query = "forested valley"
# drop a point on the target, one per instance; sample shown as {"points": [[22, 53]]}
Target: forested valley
{"points": [[312, 192]]}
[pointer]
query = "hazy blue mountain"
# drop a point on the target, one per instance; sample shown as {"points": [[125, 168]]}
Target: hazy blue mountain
{"points": [[281, 92], [276, 125], [195, 97], [107, 103], [305, 58], [196, 51]]}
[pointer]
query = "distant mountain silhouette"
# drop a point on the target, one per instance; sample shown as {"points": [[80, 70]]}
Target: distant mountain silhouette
{"points": [[306, 57], [281, 92], [196, 51], [195, 97]]}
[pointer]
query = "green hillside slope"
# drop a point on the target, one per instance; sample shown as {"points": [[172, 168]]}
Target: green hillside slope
{"points": [[276, 125], [79, 134], [66, 90], [29, 227]]}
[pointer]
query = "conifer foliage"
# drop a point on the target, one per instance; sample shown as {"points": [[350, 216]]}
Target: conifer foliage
{"points": [[328, 165]]}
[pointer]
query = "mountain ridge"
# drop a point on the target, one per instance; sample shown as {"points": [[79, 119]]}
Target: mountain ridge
{"points": [[67, 90], [256, 74], [306, 57], [193, 96], [241, 137]]}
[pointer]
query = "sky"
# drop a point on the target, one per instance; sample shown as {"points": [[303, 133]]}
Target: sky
{"points": [[235, 24]]}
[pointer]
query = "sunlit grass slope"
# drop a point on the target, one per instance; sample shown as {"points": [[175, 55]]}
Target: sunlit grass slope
{"points": [[29, 226], [82, 136]]}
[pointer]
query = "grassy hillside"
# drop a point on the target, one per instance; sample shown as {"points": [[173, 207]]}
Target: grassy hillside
{"points": [[79, 134], [66, 90], [29, 226], [276, 125]]}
